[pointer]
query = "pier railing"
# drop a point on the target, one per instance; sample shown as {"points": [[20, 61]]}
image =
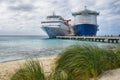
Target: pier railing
{"points": [[110, 39]]}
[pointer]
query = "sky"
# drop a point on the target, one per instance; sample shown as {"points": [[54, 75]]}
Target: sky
{"points": [[23, 17]]}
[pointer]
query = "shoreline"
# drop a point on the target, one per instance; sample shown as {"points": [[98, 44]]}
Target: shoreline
{"points": [[8, 68], [27, 58]]}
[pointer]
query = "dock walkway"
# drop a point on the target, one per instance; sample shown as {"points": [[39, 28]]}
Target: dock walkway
{"points": [[113, 39]]}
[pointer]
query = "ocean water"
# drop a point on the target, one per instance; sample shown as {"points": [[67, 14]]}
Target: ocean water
{"points": [[21, 47]]}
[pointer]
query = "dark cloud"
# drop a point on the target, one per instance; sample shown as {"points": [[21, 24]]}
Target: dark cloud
{"points": [[22, 7], [2, 1], [8, 1]]}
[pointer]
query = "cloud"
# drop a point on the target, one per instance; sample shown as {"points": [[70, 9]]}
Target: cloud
{"points": [[22, 7], [25, 16]]}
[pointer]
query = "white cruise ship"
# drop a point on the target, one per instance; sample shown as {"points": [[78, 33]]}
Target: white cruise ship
{"points": [[55, 25]]}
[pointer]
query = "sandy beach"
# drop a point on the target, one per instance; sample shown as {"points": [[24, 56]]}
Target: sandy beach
{"points": [[111, 75], [8, 68]]}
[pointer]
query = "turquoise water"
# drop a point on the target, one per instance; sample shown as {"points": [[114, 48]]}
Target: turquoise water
{"points": [[20, 47]]}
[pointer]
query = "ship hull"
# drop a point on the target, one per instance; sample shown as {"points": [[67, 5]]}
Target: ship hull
{"points": [[54, 31], [85, 29]]}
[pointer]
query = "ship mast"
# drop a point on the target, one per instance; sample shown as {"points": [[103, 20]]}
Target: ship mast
{"points": [[53, 13], [85, 7]]}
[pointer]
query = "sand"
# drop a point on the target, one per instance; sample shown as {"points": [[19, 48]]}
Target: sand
{"points": [[111, 75], [8, 68]]}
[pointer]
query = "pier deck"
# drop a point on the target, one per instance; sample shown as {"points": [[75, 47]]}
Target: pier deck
{"points": [[113, 39]]}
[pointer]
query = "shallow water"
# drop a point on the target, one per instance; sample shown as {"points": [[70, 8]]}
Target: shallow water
{"points": [[20, 47]]}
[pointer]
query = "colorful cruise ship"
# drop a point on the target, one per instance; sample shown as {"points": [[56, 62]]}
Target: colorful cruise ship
{"points": [[55, 25], [85, 23]]}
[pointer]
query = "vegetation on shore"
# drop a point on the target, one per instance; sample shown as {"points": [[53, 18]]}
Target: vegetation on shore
{"points": [[77, 62], [84, 62], [30, 70]]}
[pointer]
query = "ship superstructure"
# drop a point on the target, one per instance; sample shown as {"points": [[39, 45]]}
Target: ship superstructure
{"points": [[85, 23], [55, 25]]}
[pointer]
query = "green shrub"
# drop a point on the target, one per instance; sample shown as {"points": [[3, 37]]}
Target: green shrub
{"points": [[31, 70], [117, 52], [84, 62]]}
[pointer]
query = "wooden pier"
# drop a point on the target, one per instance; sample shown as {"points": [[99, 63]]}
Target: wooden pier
{"points": [[93, 38]]}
